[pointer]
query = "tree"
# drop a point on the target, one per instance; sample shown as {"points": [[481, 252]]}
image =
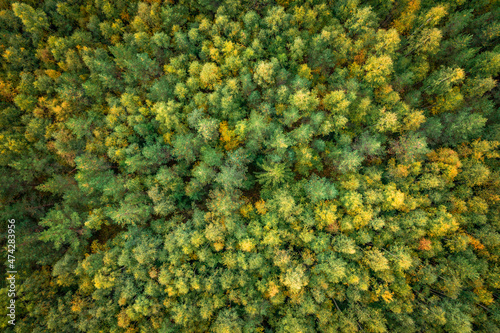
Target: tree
{"points": [[273, 174], [320, 189], [209, 75], [215, 166], [378, 69], [34, 20]]}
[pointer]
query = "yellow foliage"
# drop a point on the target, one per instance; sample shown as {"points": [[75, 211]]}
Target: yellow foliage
{"points": [[272, 289], [167, 137], [153, 273], [458, 206], [326, 213], [86, 285], [413, 120], [362, 218], [6, 90], [229, 48], [214, 54], [280, 108], [448, 102], [103, 282], [360, 57], [246, 210], [61, 111], [446, 160], [97, 247], [353, 279], [261, 207], [52, 73], [76, 304], [309, 257], [484, 296], [156, 322], [482, 148], [351, 183], [247, 245], [405, 21], [7, 54], [388, 121], [443, 223], [475, 243], [283, 3], [169, 69], [387, 296], [228, 137], [218, 246], [124, 16], [354, 70], [305, 72], [425, 244], [123, 319], [394, 198]]}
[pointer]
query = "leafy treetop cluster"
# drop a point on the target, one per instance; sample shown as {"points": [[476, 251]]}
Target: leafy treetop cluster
{"points": [[252, 166]]}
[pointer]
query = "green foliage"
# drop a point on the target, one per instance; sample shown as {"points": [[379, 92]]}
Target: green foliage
{"points": [[320, 189], [251, 166], [274, 174]]}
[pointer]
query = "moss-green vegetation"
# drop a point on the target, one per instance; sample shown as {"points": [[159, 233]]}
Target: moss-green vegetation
{"points": [[251, 166]]}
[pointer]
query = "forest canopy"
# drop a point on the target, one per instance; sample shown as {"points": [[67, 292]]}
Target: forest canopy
{"points": [[251, 165]]}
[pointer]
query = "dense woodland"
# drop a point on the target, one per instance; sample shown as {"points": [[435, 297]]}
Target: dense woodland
{"points": [[251, 165]]}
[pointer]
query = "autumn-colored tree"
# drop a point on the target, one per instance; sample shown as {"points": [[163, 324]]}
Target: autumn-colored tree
{"points": [[251, 165]]}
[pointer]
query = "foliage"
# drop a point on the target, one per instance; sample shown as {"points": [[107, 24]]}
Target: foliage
{"points": [[251, 166]]}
